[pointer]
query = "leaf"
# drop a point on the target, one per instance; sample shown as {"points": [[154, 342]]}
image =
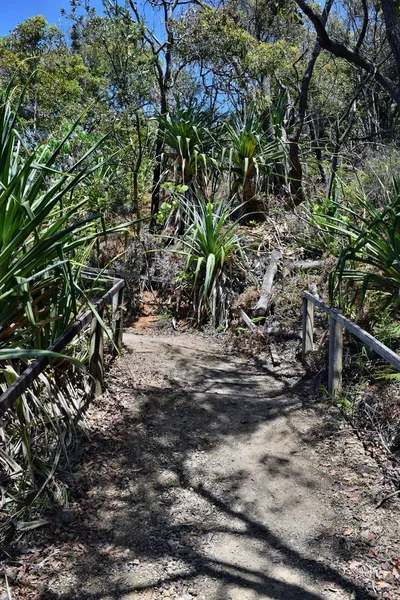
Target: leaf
{"points": [[348, 531], [29, 525], [382, 585]]}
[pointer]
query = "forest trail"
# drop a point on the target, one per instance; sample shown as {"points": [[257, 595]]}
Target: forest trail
{"points": [[223, 496]]}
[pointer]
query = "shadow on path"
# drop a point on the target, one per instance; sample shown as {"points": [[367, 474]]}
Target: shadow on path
{"points": [[198, 407]]}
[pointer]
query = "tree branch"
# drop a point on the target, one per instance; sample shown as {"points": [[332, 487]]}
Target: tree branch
{"points": [[352, 56], [363, 32]]}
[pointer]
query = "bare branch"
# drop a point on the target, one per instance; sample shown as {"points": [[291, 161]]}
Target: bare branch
{"points": [[363, 32], [354, 57]]}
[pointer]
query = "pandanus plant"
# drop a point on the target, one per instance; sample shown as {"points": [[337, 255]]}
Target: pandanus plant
{"points": [[189, 139], [249, 155], [370, 258], [42, 232], [210, 245]]}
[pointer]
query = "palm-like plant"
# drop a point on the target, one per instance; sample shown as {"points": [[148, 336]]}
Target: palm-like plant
{"points": [[371, 258], [250, 154], [209, 246], [189, 138], [39, 235], [42, 230]]}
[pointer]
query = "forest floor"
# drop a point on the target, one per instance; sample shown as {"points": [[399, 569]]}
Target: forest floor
{"points": [[212, 477]]}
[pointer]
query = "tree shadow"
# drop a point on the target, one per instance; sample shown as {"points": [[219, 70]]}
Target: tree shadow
{"points": [[140, 468]]}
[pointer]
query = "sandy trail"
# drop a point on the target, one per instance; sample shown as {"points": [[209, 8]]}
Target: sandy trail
{"points": [[222, 496]]}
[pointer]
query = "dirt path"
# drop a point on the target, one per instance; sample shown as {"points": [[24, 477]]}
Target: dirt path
{"points": [[202, 480]]}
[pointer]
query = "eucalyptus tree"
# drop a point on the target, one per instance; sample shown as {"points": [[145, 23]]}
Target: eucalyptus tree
{"points": [[238, 49], [36, 56], [163, 45], [113, 47], [381, 63]]}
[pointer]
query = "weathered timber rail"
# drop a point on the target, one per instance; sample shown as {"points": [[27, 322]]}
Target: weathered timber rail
{"points": [[337, 322], [114, 297]]}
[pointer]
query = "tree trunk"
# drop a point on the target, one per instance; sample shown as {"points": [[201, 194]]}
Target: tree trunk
{"points": [[355, 57], [155, 191], [390, 10], [296, 172]]}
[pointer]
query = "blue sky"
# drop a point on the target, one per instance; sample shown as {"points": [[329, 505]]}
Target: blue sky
{"points": [[13, 12]]}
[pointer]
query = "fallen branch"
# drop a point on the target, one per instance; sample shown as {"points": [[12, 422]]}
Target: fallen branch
{"points": [[247, 320], [287, 334], [262, 306], [387, 498], [305, 265], [276, 361]]}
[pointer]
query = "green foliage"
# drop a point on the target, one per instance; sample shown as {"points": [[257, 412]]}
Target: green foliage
{"points": [[38, 294], [36, 57], [209, 245], [165, 211], [42, 244], [319, 213], [238, 54], [370, 259], [189, 137], [250, 154], [387, 329], [341, 400]]}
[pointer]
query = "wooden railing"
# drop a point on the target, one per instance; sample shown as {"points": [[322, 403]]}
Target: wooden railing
{"points": [[114, 297], [337, 322]]}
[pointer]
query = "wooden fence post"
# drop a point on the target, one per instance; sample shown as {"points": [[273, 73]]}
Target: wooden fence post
{"points": [[117, 320], [308, 327], [335, 354], [96, 365]]}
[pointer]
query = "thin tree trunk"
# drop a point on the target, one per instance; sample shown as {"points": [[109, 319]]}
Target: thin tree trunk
{"points": [[317, 150], [296, 169]]}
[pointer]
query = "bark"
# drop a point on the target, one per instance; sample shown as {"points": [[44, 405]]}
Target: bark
{"points": [[317, 150], [355, 57], [306, 265], [287, 334], [296, 170], [390, 13], [264, 302]]}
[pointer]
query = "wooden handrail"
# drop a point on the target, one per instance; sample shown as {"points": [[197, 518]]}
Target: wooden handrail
{"points": [[337, 322], [22, 383]]}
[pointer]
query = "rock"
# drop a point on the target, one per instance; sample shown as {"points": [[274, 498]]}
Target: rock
{"points": [[66, 517]]}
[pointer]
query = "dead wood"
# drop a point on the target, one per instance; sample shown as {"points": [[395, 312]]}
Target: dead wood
{"points": [[305, 265], [287, 334], [264, 303], [247, 319], [276, 359]]}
